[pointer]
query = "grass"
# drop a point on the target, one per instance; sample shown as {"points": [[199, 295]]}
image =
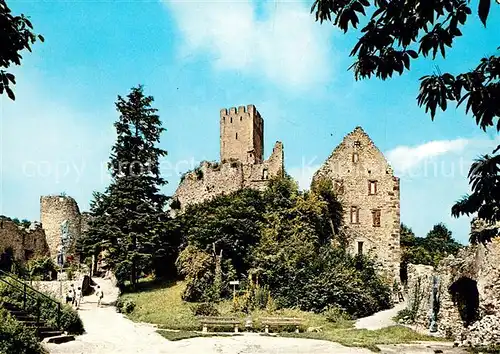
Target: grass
{"points": [[163, 306], [179, 335], [367, 339]]}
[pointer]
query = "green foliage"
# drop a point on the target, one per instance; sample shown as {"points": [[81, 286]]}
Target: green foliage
{"points": [[125, 306], [231, 222], [429, 250], [282, 237], [205, 309], [483, 178], [15, 338], [128, 218], [385, 48], [41, 268], [17, 35], [335, 314], [198, 268], [69, 320]]}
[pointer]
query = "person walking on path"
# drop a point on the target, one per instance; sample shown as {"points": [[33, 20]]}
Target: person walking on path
{"points": [[70, 295], [99, 293], [78, 297]]}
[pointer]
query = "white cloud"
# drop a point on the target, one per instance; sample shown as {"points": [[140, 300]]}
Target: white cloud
{"points": [[403, 158], [48, 146], [287, 47]]}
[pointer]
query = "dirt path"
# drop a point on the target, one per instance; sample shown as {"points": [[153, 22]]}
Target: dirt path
{"points": [[380, 319], [109, 332]]}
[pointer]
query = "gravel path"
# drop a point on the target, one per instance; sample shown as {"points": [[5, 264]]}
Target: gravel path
{"points": [[109, 332], [380, 319]]}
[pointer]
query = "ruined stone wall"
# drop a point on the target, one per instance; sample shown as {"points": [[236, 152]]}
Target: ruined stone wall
{"points": [[241, 166], [351, 167], [478, 267], [419, 293], [53, 211], [25, 242], [256, 176], [212, 178], [241, 134], [209, 180]]}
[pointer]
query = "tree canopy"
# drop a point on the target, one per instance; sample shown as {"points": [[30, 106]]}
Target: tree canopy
{"points": [[128, 218], [282, 239], [429, 250], [16, 35], [398, 32]]}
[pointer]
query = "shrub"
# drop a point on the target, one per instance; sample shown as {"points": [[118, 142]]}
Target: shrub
{"points": [[125, 306], [69, 320], [261, 296], [405, 315], [205, 309], [336, 314], [41, 268], [15, 338]]}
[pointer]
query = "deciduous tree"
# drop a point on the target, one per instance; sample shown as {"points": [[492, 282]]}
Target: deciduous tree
{"points": [[16, 35], [398, 32]]}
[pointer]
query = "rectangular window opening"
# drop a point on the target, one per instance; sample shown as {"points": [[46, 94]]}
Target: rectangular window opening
{"points": [[372, 187], [360, 248], [376, 218], [354, 215], [355, 157]]}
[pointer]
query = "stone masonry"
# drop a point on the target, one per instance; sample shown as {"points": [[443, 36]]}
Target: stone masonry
{"points": [[43, 239], [54, 210], [25, 243], [469, 295], [365, 185], [242, 164]]}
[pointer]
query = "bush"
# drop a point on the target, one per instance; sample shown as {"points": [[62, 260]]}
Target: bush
{"points": [[69, 320], [15, 338], [205, 309], [125, 306], [41, 268], [336, 314]]}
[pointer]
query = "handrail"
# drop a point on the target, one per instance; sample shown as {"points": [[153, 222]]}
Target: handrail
{"points": [[25, 293], [10, 275]]}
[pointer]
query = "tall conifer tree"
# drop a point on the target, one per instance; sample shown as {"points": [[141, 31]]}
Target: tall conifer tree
{"points": [[129, 221]]}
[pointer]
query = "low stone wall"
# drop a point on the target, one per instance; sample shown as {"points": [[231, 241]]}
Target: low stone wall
{"points": [[420, 281], [468, 295], [53, 288]]}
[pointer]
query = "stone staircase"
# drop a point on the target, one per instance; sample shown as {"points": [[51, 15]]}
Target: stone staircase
{"points": [[43, 331]]}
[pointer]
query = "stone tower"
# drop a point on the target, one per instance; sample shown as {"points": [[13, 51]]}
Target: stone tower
{"points": [[241, 135], [53, 211], [369, 192]]}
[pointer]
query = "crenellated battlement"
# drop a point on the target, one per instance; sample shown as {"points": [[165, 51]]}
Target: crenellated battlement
{"points": [[239, 110], [241, 134]]}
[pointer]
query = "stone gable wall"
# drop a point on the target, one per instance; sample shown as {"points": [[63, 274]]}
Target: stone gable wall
{"points": [[382, 241], [23, 241]]}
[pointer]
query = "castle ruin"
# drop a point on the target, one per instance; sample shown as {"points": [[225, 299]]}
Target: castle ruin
{"points": [[43, 239], [54, 210], [369, 193], [242, 162]]}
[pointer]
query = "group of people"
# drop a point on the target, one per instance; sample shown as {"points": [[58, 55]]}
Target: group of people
{"points": [[75, 297]]}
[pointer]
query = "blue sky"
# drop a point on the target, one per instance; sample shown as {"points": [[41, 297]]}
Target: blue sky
{"points": [[198, 57]]}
